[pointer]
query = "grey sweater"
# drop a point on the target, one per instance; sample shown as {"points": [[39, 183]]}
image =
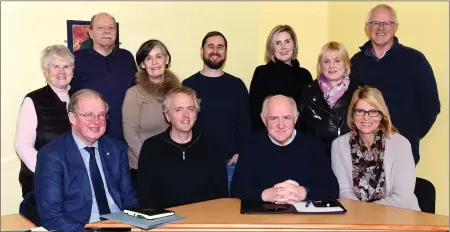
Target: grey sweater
{"points": [[398, 166]]}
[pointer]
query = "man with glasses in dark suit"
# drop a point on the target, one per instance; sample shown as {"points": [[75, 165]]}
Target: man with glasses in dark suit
{"points": [[83, 174]]}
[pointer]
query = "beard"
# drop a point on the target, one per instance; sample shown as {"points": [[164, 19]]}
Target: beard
{"points": [[211, 64]]}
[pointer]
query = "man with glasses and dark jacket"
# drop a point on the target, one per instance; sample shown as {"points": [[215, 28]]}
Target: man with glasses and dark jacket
{"points": [[83, 174], [402, 74]]}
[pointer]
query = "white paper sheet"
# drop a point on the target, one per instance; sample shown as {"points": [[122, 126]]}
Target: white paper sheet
{"points": [[301, 207]]}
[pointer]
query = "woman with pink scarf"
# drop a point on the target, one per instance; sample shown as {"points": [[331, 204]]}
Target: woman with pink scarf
{"points": [[325, 101]]}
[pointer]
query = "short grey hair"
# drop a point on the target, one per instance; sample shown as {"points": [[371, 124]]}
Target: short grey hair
{"points": [[291, 100], [59, 51], [188, 91], [394, 14], [73, 104]]}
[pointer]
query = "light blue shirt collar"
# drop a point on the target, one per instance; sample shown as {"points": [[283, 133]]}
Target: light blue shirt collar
{"points": [[81, 144], [285, 143]]}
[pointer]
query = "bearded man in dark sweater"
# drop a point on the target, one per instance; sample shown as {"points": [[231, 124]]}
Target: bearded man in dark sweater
{"points": [[401, 73], [282, 165], [224, 117], [179, 166]]}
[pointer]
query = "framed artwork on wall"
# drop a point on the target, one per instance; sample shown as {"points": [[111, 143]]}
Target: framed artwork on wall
{"points": [[78, 35]]}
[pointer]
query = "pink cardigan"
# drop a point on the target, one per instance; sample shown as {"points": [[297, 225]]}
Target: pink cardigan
{"points": [[26, 128]]}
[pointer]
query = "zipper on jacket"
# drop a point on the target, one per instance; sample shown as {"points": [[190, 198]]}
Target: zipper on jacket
{"points": [[184, 151], [331, 115], [326, 111]]}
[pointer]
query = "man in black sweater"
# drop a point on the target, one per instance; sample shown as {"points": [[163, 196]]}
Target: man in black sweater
{"points": [[401, 73], [179, 166], [282, 165], [224, 117]]}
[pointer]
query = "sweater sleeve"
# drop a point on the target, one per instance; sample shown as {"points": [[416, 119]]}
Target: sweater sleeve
{"points": [[242, 184], [130, 116], [404, 179], [146, 178], [257, 93], [134, 70], [323, 184], [26, 134], [338, 166], [243, 116], [428, 104], [219, 179]]}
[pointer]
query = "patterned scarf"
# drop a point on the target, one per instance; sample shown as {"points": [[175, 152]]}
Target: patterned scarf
{"points": [[330, 93], [368, 172]]}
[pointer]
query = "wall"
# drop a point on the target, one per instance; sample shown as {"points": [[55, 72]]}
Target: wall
{"points": [[28, 27], [425, 27]]}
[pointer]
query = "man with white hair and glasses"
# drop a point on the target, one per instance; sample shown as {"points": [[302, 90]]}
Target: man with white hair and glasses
{"points": [[401, 73]]}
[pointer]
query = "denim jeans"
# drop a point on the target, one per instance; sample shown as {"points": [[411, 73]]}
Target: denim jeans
{"points": [[230, 171]]}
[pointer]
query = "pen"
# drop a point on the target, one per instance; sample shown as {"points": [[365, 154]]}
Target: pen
{"points": [[307, 203]]}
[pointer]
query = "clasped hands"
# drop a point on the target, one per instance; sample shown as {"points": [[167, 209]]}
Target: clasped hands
{"points": [[287, 192]]}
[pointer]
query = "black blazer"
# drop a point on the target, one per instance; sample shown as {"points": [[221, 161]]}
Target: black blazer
{"points": [[275, 78]]}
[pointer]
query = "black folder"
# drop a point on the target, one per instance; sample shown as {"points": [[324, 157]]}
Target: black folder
{"points": [[313, 207]]}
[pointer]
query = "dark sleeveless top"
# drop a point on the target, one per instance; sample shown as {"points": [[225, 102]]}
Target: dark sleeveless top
{"points": [[52, 121]]}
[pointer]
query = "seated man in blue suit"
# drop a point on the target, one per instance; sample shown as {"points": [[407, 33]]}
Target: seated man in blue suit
{"points": [[83, 174], [282, 165]]}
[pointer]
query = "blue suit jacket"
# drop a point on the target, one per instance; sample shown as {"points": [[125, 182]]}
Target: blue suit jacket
{"points": [[62, 187]]}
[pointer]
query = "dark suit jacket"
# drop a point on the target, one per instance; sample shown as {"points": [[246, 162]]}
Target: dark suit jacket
{"points": [[62, 187]]}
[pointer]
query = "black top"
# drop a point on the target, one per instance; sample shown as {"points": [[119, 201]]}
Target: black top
{"points": [[406, 80], [224, 100], [109, 75], [276, 78], [52, 122], [264, 164], [172, 174], [319, 119]]}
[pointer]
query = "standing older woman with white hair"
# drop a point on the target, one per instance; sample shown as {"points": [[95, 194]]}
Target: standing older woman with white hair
{"points": [[43, 117], [373, 162]]}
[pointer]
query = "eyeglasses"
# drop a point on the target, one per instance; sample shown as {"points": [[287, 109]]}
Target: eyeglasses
{"points": [[386, 24], [92, 116], [372, 113]]}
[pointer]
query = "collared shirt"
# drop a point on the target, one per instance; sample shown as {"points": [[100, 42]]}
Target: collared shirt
{"points": [[111, 76], [285, 143], [95, 215], [368, 52]]}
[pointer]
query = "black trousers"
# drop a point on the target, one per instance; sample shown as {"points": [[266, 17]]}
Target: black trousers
{"points": [[133, 176], [28, 209]]}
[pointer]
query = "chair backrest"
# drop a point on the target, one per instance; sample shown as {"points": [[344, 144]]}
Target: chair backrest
{"points": [[426, 195]]}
